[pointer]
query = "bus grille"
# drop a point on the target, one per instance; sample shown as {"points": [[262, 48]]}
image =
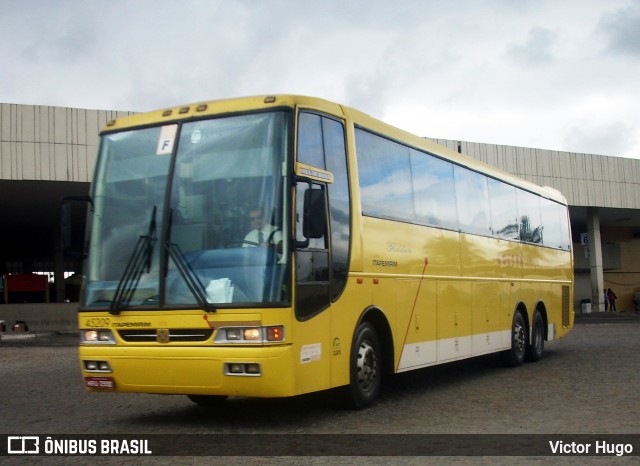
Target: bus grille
{"points": [[566, 306], [148, 335]]}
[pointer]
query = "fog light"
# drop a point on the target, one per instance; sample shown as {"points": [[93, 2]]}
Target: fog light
{"points": [[252, 368], [97, 366], [236, 368], [104, 366], [91, 365]]}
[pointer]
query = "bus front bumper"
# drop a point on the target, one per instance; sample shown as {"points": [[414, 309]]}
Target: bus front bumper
{"points": [[231, 371]]}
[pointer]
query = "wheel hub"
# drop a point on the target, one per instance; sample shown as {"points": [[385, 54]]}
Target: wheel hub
{"points": [[367, 366], [519, 338]]}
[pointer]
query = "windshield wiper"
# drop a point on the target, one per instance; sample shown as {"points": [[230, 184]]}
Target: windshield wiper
{"points": [[139, 261], [191, 279]]}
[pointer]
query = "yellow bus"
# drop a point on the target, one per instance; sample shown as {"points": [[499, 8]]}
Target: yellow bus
{"points": [[279, 245]]}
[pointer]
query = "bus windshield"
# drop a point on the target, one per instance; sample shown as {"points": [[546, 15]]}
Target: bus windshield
{"points": [[191, 214]]}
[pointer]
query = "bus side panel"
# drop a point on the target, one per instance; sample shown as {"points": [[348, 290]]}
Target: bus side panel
{"points": [[486, 324], [554, 267], [345, 313], [557, 302], [400, 248], [415, 334], [493, 301], [545, 263], [393, 250], [312, 353], [480, 255], [511, 297], [453, 320]]}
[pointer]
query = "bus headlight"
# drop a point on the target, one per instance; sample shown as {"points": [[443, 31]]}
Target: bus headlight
{"points": [[97, 336], [273, 333], [252, 334], [232, 333]]}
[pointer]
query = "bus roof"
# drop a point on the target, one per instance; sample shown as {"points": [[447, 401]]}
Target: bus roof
{"points": [[366, 121]]}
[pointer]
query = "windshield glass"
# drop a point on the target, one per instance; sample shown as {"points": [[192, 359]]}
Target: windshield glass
{"points": [[218, 237]]}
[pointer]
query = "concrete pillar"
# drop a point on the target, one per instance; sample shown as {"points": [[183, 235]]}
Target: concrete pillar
{"points": [[58, 265], [595, 259]]}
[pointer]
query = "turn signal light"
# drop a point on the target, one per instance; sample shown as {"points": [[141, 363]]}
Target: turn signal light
{"points": [[275, 333]]}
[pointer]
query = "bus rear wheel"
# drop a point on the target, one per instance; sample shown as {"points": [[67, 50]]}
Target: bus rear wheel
{"points": [[514, 356], [536, 348], [366, 367]]}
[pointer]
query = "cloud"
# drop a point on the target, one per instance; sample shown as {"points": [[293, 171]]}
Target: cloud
{"points": [[610, 138], [622, 29], [536, 49], [503, 72]]}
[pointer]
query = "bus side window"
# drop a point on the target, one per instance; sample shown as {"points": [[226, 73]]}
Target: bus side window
{"points": [[310, 145], [529, 217]]}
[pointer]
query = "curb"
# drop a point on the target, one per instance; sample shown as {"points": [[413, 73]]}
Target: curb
{"points": [[44, 337], [16, 336], [609, 317]]}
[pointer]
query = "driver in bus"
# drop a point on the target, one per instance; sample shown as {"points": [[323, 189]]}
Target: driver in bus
{"points": [[262, 233]]}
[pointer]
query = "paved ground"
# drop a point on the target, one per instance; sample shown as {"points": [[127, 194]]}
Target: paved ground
{"points": [[588, 383]]}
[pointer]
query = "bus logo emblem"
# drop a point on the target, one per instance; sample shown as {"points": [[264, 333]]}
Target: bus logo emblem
{"points": [[162, 335]]}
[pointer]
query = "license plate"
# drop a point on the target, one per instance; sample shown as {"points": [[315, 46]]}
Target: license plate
{"points": [[107, 383]]}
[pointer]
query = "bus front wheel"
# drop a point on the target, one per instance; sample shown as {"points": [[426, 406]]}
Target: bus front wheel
{"points": [[514, 356], [366, 369]]}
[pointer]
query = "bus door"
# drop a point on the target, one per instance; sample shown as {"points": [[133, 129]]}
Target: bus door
{"points": [[322, 248], [312, 293]]}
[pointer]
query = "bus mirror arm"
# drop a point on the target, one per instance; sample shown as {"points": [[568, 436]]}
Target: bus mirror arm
{"points": [[302, 244], [67, 224]]}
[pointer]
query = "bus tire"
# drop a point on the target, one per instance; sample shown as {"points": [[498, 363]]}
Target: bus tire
{"points": [[536, 348], [514, 356], [365, 367], [207, 400]]}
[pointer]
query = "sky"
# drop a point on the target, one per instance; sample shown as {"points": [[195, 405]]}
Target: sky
{"points": [[551, 74]]}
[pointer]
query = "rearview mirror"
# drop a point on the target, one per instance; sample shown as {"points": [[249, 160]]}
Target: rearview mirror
{"points": [[314, 222]]}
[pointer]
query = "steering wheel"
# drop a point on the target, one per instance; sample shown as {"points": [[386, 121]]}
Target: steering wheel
{"points": [[270, 241]]}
